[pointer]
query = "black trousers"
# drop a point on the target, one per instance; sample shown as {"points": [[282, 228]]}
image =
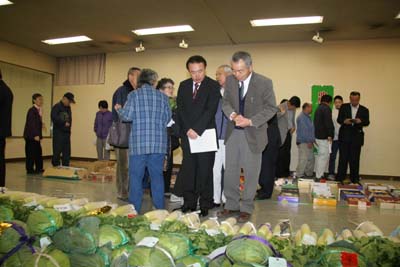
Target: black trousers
{"points": [[283, 166], [349, 154], [61, 148], [2, 162], [33, 156], [269, 161], [195, 178], [168, 172]]}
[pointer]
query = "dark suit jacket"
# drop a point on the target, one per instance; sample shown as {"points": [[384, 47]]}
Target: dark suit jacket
{"points": [[198, 114], [352, 133], [33, 124], [260, 107], [6, 100]]}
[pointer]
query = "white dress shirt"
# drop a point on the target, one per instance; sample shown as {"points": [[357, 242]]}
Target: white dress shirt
{"points": [[335, 113], [246, 84], [354, 111], [194, 86]]}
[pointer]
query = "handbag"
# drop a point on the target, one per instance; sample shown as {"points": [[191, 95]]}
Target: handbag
{"points": [[118, 135]]}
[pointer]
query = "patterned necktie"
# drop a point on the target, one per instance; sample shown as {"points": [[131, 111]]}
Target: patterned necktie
{"points": [[196, 88], [241, 90]]}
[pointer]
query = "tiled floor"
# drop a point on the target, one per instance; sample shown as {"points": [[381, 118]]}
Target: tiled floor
{"points": [[336, 218]]}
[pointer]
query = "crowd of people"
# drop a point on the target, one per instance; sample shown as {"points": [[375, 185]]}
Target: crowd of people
{"points": [[253, 135]]}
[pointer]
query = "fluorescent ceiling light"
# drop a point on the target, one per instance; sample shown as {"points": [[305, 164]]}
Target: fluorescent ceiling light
{"points": [[398, 16], [162, 30], [286, 21], [66, 40], [5, 2]]}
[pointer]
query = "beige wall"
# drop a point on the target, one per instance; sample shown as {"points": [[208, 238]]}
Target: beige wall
{"points": [[368, 66], [28, 58]]}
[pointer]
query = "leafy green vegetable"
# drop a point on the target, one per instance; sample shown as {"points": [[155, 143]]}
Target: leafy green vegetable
{"points": [[191, 260], [6, 214], [177, 245], [46, 221], [10, 238], [204, 244], [149, 257], [113, 235], [75, 240], [246, 250]]}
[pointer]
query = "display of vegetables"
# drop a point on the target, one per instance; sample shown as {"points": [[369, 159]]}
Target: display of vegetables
{"points": [[101, 235]]}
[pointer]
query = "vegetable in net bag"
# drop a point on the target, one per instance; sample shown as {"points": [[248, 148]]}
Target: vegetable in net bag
{"points": [[142, 233], [46, 221], [114, 235], [249, 249], [11, 234], [119, 256], [82, 260], [6, 214], [150, 257], [91, 225], [48, 258], [17, 259], [177, 245], [192, 260], [75, 240], [220, 261]]}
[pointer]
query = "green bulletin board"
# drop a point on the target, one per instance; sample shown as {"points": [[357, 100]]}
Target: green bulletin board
{"points": [[317, 91]]}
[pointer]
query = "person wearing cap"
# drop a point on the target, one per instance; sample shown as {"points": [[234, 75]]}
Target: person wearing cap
{"points": [[61, 118]]}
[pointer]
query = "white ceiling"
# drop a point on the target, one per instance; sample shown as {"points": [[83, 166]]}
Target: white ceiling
{"points": [[216, 22]]}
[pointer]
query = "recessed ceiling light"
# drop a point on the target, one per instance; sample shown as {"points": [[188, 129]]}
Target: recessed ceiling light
{"points": [[286, 21], [162, 30], [66, 40], [398, 16], [5, 2]]}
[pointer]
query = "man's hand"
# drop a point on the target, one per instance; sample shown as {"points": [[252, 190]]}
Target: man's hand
{"points": [[67, 124], [292, 130], [310, 145], [192, 134], [357, 121], [330, 139], [233, 116], [243, 122], [37, 138], [347, 121], [117, 106]]}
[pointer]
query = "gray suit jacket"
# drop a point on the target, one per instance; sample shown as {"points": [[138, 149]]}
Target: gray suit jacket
{"points": [[260, 107], [283, 121]]}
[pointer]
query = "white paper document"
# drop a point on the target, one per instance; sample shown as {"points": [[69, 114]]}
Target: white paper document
{"points": [[207, 142]]}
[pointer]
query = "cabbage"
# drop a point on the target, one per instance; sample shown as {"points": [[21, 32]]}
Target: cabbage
{"points": [[332, 256], [143, 232], [19, 258], [112, 234], [221, 261], [81, 260], [9, 238], [190, 260], [91, 225], [75, 240], [48, 259], [176, 244], [124, 250], [6, 214], [149, 257], [246, 250], [46, 221]]}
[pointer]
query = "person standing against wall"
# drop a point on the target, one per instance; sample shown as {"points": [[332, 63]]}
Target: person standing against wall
{"points": [[61, 116], [221, 120], [337, 102], [324, 133], [33, 136], [121, 153], [102, 124], [287, 126], [305, 142], [6, 101], [197, 103], [352, 117], [149, 111]]}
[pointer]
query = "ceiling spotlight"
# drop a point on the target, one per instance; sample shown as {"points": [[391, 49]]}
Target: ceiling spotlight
{"points": [[140, 48], [318, 39], [183, 44]]}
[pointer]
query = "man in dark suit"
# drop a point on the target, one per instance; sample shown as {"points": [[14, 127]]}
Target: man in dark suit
{"points": [[352, 118], [249, 103], [197, 103], [6, 100]]}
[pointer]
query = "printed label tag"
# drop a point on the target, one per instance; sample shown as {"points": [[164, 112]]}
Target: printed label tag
{"points": [[149, 241], [276, 262]]}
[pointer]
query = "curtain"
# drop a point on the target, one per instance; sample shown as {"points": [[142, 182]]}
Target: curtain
{"points": [[80, 70]]}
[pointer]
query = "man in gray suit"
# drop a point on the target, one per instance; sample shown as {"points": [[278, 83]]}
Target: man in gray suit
{"points": [[249, 102]]}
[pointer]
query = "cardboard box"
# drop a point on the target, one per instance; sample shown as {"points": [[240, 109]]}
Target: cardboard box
{"points": [[304, 185], [93, 166], [291, 195], [374, 194], [355, 201], [325, 201], [351, 193], [62, 173], [101, 177]]}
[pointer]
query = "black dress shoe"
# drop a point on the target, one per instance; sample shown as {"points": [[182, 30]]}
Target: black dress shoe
{"points": [[217, 205], [203, 212], [262, 197], [186, 209]]}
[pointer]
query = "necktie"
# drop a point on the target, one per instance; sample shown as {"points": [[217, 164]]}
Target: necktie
{"points": [[196, 88], [241, 90]]}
